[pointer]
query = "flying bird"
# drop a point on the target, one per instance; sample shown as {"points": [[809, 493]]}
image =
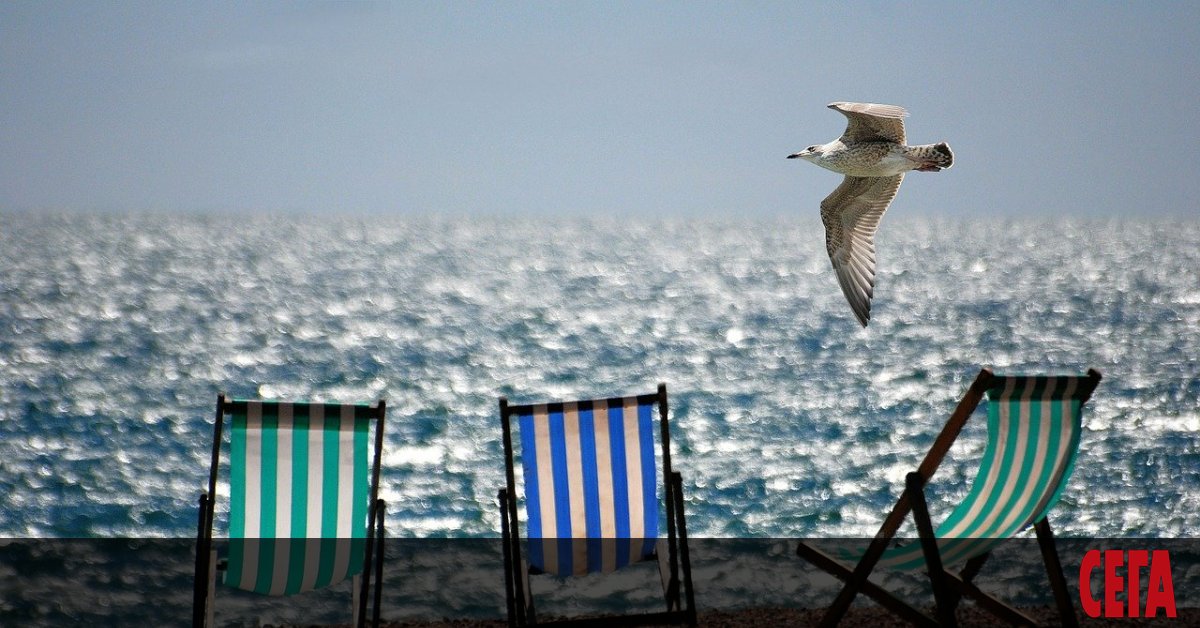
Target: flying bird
{"points": [[873, 156]]}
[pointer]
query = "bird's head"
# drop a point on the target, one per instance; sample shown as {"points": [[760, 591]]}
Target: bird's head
{"points": [[808, 154]]}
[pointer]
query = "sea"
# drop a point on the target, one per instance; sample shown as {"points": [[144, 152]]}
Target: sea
{"points": [[788, 419]]}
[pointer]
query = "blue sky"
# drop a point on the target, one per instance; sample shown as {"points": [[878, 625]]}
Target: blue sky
{"points": [[645, 108]]}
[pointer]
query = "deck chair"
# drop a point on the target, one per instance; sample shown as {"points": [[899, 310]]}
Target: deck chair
{"points": [[304, 507], [592, 500], [1034, 425]]}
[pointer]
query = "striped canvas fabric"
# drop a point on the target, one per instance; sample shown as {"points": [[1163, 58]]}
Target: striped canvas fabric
{"points": [[299, 493], [590, 483], [1034, 425]]}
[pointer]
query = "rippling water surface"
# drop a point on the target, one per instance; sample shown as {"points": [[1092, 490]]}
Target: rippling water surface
{"points": [[117, 332]]}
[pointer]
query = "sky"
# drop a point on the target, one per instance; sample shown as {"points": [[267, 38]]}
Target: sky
{"points": [[628, 108]]}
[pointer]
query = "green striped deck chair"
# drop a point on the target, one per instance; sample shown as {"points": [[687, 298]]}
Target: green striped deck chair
{"points": [[592, 499], [304, 507], [1034, 426]]}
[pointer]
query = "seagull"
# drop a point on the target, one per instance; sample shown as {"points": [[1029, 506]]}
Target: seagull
{"points": [[873, 156]]}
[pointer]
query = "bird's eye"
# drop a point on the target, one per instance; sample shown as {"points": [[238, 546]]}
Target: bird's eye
{"points": [[812, 148]]}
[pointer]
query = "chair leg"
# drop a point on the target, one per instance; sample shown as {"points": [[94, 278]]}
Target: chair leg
{"points": [[672, 591], [210, 606], [372, 568], [989, 603], [379, 553], [967, 576], [510, 598], [882, 596], [516, 573], [973, 567], [684, 556], [200, 578], [1066, 608], [670, 586], [528, 613], [933, 559], [855, 580]]}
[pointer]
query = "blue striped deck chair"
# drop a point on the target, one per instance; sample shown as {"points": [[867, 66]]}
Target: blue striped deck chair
{"points": [[304, 507], [1034, 427], [591, 499]]}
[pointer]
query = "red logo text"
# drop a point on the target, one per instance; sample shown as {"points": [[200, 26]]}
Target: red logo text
{"points": [[1122, 571]]}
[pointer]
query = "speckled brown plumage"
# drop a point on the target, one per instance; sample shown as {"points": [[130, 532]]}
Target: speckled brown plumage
{"points": [[873, 156]]}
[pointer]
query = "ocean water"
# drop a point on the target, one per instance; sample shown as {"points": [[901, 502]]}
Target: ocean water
{"points": [[788, 420]]}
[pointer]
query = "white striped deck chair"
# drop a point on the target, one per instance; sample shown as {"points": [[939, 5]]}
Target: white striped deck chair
{"points": [[304, 512], [1034, 427], [592, 497]]}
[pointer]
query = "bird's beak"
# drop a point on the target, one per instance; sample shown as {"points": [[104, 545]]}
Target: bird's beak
{"points": [[794, 155]]}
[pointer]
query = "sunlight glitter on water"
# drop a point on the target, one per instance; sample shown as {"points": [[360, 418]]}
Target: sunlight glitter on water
{"points": [[787, 419]]}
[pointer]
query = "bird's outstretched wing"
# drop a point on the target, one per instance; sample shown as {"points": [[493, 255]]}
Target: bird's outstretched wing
{"points": [[851, 215], [871, 122]]}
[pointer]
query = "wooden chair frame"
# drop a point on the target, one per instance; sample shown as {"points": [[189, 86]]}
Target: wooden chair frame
{"points": [[949, 588], [677, 593], [372, 574]]}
